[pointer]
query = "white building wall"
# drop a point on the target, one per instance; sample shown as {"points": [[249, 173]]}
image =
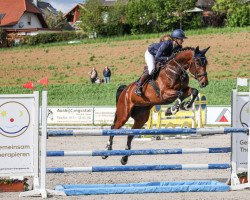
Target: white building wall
{"points": [[25, 19]]}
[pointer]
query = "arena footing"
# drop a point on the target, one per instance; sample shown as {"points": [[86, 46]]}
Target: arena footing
{"points": [[146, 187]]}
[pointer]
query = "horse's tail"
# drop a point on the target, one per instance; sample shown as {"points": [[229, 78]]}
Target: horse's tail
{"points": [[118, 93]]}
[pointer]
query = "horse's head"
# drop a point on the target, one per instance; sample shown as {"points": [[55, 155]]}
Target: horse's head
{"points": [[198, 66]]}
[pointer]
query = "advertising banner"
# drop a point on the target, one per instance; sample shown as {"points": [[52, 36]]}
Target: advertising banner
{"points": [[70, 115], [241, 109], [82, 115], [17, 123], [218, 115]]}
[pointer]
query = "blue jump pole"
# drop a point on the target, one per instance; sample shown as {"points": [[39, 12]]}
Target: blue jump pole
{"points": [[124, 132], [138, 152], [138, 168]]}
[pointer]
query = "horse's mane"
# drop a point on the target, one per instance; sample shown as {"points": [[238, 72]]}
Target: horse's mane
{"points": [[179, 51]]}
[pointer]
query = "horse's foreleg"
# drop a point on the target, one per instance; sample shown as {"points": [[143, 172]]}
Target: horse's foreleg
{"points": [[124, 159], [194, 93], [175, 108]]}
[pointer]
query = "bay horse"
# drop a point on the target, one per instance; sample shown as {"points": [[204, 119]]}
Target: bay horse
{"points": [[172, 81]]}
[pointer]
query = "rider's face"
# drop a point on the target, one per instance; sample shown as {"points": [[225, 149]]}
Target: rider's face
{"points": [[180, 41]]}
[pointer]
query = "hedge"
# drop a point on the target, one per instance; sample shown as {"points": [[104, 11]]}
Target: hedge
{"points": [[43, 38]]}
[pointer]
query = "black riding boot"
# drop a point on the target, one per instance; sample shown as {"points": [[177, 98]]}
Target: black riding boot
{"points": [[145, 76]]}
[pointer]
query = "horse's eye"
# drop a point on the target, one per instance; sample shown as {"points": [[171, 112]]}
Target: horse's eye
{"points": [[202, 62]]}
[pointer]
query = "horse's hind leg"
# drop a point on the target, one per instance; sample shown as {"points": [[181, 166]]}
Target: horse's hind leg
{"points": [[124, 159], [119, 121], [140, 115]]}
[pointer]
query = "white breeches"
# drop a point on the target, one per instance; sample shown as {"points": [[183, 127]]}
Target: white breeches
{"points": [[150, 61]]}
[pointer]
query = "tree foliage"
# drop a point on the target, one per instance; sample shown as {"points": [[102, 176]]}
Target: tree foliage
{"points": [[117, 20], [55, 21], [160, 15], [237, 12], [150, 16], [92, 16]]}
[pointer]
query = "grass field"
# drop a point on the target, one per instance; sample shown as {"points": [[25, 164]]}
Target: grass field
{"points": [[67, 65]]}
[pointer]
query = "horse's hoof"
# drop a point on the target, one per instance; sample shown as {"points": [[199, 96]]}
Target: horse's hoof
{"points": [[168, 112], [124, 161], [108, 148]]}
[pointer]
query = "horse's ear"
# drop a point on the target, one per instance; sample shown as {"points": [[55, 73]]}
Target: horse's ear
{"points": [[197, 50], [203, 52]]}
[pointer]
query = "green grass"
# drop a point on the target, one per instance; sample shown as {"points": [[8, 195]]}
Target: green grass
{"points": [[218, 92]]}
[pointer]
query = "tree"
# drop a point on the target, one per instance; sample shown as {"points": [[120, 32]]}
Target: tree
{"points": [[140, 15], [55, 21], [173, 13], [237, 11], [117, 19], [92, 17], [160, 15]]}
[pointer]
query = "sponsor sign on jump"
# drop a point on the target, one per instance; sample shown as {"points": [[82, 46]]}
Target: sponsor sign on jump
{"points": [[16, 135], [82, 115], [241, 119], [218, 116]]}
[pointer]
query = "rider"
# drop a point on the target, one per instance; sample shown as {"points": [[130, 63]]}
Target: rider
{"points": [[159, 52]]}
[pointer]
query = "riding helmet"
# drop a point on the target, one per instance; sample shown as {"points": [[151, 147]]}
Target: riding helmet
{"points": [[178, 33]]}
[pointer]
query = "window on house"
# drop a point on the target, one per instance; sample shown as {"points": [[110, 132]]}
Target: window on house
{"points": [[29, 20]]}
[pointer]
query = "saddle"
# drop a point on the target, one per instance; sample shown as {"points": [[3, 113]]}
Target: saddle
{"points": [[153, 77]]}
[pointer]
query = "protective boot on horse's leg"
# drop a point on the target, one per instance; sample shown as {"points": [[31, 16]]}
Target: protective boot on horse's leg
{"points": [[186, 105], [143, 79], [174, 109]]}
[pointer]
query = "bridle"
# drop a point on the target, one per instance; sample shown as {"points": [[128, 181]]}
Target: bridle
{"points": [[202, 62], [196, 75]]}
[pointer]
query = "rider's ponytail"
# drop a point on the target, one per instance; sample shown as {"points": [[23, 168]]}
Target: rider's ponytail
{"points": [[165, 37]]}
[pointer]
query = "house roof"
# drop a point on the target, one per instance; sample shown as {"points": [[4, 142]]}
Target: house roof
{"points": [[14, 9], [72, 9], [46, 6]]}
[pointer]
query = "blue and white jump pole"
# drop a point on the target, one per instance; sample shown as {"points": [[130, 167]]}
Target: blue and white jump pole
{"points": [[138, 152], [138, 168], [124, 132]]}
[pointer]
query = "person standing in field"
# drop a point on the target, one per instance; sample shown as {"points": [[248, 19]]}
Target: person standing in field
{"points": [[93, 75], [107, 74]]}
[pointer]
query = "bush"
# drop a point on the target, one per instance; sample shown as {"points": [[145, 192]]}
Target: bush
{"points": [[240, 17], [44, 38]]}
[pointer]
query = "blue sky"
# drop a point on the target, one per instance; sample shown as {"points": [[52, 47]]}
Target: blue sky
{"points": [[63, 5]]}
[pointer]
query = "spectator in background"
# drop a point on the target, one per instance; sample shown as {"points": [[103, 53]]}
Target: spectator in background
{"points": [[93, 75], [107, 74]]}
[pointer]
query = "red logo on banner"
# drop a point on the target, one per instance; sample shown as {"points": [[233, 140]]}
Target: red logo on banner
{"points": [[223, 119], [223, 116]]}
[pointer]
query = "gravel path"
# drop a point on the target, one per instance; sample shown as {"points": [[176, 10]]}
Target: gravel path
{"points": [[98, 143]]}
